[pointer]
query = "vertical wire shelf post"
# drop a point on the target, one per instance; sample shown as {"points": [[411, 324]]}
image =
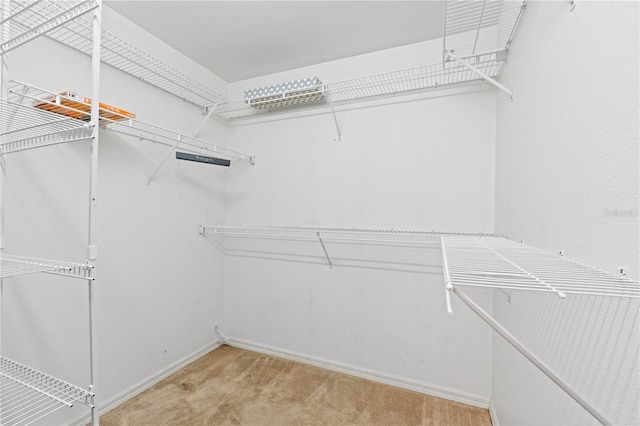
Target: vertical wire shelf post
{"points": [[28, 395]]}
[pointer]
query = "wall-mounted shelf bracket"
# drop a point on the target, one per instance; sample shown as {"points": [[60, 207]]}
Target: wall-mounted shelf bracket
{"points": [[335, 121], [477, 71], [206, 111], [513, 341], [164, 160], [206, 108], [324, 249]]}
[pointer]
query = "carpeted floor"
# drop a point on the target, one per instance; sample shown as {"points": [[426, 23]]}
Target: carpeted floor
{"points": [[231, 386]]}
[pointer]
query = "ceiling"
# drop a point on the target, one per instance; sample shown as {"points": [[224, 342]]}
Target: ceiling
{"points": [[237, 40]]}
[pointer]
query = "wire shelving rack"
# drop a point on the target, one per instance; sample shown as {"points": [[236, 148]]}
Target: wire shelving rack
{"points": [[30, 19], [27, 127], [327, 236], [400, 82], [505, 264], [134, 61], [34, 127], [480, 27], [14, 265], [150, 132], [473, 260], [478, 31], [29, 395]]}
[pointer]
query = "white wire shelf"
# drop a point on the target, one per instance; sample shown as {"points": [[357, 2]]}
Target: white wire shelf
{"points": [[24, 132], [13, 265], [327, 236], [480, 27], [406, 81], [29, 19], [28, 395], [129, 59], [496, 262], [27, 127], [153, 133], [333, 234]]}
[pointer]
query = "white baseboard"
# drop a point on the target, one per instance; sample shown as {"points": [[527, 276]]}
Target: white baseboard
{"points": [[401, 382], [146, 383], [494, 414]]}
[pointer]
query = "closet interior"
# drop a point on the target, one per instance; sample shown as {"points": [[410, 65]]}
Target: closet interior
{"points": [[476, 45]]}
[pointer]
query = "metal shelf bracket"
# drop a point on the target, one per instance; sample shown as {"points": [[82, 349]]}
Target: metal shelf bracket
{"points": [[485, 76], [164, 160], [335, 121], [544, 368], [325, 250]]}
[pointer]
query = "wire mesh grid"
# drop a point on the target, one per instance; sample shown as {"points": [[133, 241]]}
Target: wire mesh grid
{"points": [[128, 58], [419, 78], [27, 395], [25, 127], [30, 127], [480, 27], [501, 263], [13, 265], [26, 20], [385, 84]]}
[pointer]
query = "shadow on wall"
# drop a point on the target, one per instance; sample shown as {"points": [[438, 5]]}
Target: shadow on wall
{"points": [[592, 342]]}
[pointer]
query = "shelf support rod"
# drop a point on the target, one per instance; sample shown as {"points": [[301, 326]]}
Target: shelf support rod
{"points": [[164, 160], [210, 111], [21, 97], [480, 73], [92, 248], [4, 90], [173, 148], [325, 250], [475, 44], [335, 121], [511, 339], [448, 285]]}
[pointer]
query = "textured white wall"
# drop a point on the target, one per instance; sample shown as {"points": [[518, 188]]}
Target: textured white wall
{"points": [[567, 178], [160, 286], [426, 164]]}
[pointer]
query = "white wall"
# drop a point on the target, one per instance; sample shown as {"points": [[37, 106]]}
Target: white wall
{"points": [[425, 165], [160, 286], [563, 156], [567, 178]]}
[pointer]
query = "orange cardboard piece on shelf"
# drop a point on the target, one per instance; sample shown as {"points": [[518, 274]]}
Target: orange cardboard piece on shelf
{"points": [[75, 106]]}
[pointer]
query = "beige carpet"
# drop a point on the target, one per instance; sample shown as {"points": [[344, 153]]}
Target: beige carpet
{"points": [[231, 386]]}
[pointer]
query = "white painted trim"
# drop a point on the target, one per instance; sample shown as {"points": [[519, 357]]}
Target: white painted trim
{"points": [[146, 383], [401, 382], [494, 414]]}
